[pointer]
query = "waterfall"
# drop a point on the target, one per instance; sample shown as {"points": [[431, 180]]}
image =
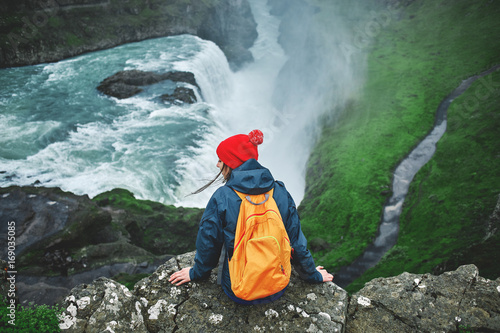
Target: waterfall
{"points": [[60, 131], [211, 70], [246, 106]]}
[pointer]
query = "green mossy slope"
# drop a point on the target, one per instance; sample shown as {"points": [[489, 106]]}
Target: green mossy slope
{"points": [[447, 217], [415, 60]]}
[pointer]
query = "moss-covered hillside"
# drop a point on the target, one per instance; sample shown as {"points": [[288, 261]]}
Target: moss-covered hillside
{"points": [[416, 58]]}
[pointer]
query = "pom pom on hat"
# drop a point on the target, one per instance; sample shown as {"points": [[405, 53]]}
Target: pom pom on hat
{"points": [[237, 149], [256, 137]]}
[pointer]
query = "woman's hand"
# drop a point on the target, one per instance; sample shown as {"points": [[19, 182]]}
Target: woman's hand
{"points": [[180, 277], [326, 276]]}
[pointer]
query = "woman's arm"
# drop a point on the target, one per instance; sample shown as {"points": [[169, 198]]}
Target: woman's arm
{"points": [[208, 246]]}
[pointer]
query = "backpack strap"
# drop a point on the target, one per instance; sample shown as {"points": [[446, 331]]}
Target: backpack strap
{"points": [[248, 197], [255, 203]]}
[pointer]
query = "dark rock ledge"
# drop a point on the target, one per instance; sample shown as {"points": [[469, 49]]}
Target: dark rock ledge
{"points": [[63, 239], [457, 301]]}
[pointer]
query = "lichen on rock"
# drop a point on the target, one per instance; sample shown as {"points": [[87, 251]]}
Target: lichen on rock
{"points": [[427, 303], [451, 302], [155, 305]]}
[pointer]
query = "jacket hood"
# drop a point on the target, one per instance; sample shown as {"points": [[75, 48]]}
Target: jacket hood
{"points": [[251, 178]]}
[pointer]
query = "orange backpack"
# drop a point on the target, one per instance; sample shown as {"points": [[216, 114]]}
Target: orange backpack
{"points": [[260, 265]]}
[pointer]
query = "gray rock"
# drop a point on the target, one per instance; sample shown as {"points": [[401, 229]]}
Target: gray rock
{"points": [[52, 290], [157, 306], [4, 283], [453, 301], [40, 293], [103, 305], [64, 239], [231, 25]]}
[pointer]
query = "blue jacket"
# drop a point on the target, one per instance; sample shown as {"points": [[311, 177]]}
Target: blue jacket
{"points": [[218, 226]]}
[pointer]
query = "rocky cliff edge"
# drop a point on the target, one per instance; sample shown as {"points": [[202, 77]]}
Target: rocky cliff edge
{"points": [[157, 306], [457, 301]]}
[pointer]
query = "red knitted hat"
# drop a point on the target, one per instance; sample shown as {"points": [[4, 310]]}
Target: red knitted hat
{"points": [[237, 149]]}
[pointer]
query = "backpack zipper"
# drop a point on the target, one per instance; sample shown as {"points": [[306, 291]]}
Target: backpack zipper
{"points": [[278, 243]]}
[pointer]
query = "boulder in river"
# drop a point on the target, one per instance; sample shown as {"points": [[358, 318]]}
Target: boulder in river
{"points": [[125, 84]]}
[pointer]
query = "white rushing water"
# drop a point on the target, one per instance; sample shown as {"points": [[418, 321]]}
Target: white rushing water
{"points": [[247, 106], [58, 130]]}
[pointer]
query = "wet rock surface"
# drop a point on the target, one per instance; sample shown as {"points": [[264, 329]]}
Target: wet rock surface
{"points": [[34, 32], [181, 95], [44, 216], [64, 239], [125, 84]]}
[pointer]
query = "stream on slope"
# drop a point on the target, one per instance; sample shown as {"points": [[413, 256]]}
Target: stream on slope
{"points": [[388, 230]]}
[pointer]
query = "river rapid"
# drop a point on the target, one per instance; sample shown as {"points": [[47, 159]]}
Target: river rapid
{"points": [[58, 130]]}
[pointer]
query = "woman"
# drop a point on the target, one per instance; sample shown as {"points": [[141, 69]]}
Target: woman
{"points": [[238, 165]]}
